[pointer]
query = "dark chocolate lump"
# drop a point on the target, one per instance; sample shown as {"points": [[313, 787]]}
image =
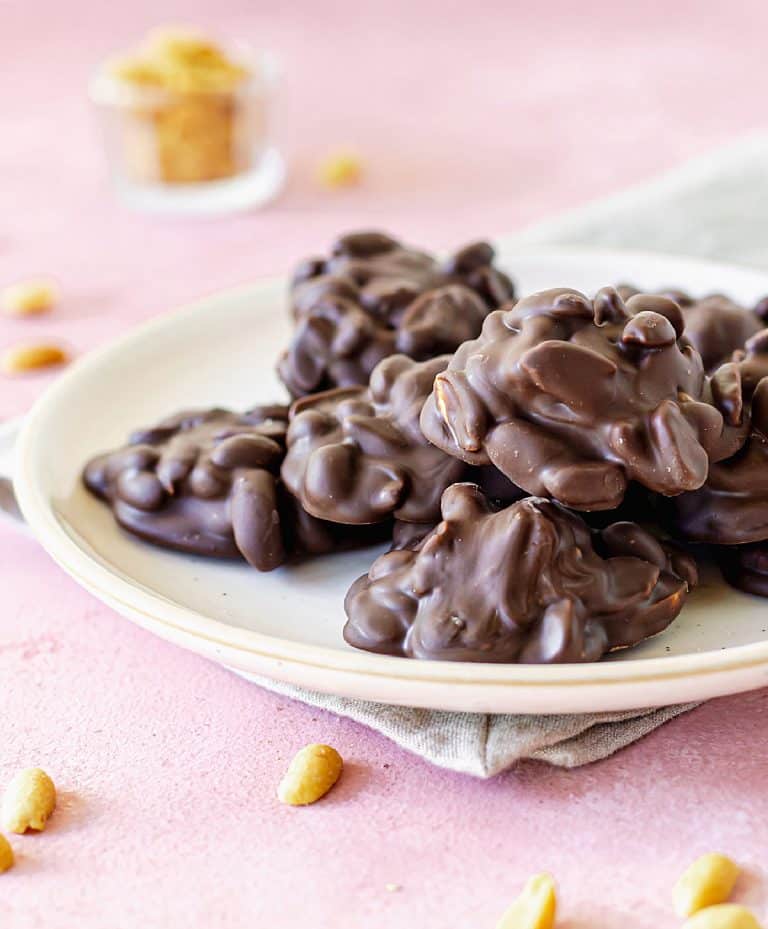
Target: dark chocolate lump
{"points": [[206, 482], [373, 297], [529, 583], [746, 567], [356, 455], [573, 398]]}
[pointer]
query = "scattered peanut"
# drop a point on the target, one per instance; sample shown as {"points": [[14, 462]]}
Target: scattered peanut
{"points": [[22, 358], [534, 908], [311, 774], [29, 800], [6, 854], [341, 169], [723, 916], [28, 298], [707, 881]]}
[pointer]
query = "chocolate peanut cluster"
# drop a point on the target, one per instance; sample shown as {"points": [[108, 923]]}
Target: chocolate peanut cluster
{"points": [[357, 455], [206, 482], [573, 398], [529, 583], [374, 297]]}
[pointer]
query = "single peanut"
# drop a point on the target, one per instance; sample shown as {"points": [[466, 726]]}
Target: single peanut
{"points": [[311, 774], [29, 800], [28, 298], [707, 881], [341, 169], [534, 908], [723, 916], [22, 358], [6, 854]]}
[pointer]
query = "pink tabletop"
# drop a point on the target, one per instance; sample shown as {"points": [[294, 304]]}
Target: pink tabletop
{"points": [[473, 119]]}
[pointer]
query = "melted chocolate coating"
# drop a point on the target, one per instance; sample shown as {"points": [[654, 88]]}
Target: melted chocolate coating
{"points": [[409, 535], [373, 297], [529, 583], [206, 482], [356, 455], [731, 508], [715, 325], [574, 398], [746, 567]]}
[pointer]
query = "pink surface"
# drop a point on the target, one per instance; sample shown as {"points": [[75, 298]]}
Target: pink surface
{"points": [[473, 119]]}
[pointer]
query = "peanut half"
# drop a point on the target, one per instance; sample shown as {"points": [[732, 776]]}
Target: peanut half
{"points": [[311, 774], [707, 881], [28, 298], [29, 800], [723, 916], [534, 908], [6, 854], [22, 358]]}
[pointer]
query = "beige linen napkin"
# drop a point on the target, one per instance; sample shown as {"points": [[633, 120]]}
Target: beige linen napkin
{"points": [[484, 744], [713, 208]]}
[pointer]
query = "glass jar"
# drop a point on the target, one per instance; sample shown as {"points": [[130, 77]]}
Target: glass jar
{"points": [[191, 149]]}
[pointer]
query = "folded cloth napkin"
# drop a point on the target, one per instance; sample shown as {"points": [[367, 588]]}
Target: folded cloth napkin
{"points": [[709, 208], [484, 744]]}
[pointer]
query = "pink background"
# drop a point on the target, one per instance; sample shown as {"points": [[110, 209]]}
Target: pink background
{"points": [[473, 119]]}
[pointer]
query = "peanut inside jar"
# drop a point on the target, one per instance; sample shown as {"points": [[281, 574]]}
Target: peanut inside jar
{"points": [[183, 111]]}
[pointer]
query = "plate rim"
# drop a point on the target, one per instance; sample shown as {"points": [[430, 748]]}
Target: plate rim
{"points": [[177, 619]]}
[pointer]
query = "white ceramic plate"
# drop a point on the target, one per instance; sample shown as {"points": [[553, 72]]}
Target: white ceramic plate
{"points": [[287, 624]]}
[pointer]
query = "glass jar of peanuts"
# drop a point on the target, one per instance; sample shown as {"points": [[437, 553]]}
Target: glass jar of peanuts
{"points": [[186, 127]]}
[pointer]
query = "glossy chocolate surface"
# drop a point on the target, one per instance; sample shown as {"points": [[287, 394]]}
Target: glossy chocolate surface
{"points": [[374, 297], [573, 398], [529, 583]]}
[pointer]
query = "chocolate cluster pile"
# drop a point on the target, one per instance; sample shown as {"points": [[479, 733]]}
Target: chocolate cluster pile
{"points": [[506, 449]]}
